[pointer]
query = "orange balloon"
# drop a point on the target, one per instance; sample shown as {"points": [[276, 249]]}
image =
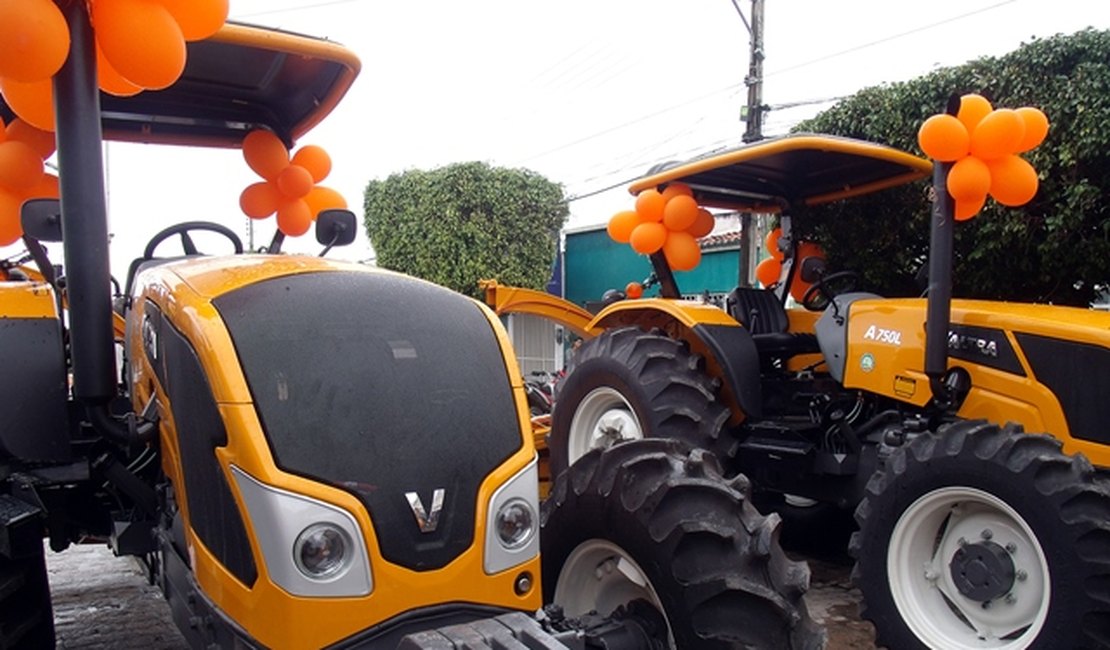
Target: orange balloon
{"points": [[294, 182], [943, 137], [265, 153], [768, 271], [703, 225], [111, 81], [11, 229], [33, 102], [968, 179], [808, 249], [648, 237], [621, 225], [997, 135], [20, 167], [324, 198], [315, 160], [41, 141], [294, 218], [968, 208], [260, 200], [682, 251], [973, 108], [1036, 128], [198, 19], [634, 290], [47, 188], [649, 205], [680, 213], [771, 243], [676, 189], [1013, 180], [141, 40], [35, 38]]}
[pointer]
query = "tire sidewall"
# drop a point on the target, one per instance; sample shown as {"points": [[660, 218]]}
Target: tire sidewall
{"points": [[1039, 511], [593, 373]]}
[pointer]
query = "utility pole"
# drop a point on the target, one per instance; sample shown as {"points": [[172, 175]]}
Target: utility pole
{"points": [[753, 115]]}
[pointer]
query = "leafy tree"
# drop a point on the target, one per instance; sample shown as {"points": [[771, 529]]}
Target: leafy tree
{"points": [[1054, 249], [458, 224]]}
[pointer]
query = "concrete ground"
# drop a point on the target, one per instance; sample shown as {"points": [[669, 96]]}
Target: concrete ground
{"points": [[102, 602]]}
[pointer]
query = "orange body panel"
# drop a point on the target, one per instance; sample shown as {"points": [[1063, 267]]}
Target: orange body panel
{"points": [[269, 614]]}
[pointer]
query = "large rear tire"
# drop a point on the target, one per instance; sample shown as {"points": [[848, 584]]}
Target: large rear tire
{"points": [[26, 616], [628, 384], [655, 521], [985, 537]]}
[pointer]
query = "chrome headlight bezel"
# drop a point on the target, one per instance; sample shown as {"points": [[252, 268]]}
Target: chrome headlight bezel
{"points": [[279, 518], [521, 489]]}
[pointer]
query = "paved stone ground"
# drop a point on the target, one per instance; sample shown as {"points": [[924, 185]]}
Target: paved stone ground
{"points": [[102, 602]]}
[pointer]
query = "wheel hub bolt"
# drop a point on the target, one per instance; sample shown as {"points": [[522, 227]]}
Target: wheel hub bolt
{"points": [[1021, 575], [931, 575], [961, 541], [987, 533], [1011, 548], [1010, 599], [986, 604], [604, 568]]}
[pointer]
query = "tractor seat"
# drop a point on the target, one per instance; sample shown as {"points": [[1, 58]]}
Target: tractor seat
{"points": [[762, 313]]}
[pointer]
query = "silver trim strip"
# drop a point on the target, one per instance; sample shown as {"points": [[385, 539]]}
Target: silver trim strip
{"points": [[278, 516]]}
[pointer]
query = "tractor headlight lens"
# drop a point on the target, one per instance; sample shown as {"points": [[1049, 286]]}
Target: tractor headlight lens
{"points": [[516, 523], [322, 551]]}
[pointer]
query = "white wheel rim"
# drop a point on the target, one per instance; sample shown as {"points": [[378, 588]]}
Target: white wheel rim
{"points": [[603, 418], [599, 575], [922, 546]]}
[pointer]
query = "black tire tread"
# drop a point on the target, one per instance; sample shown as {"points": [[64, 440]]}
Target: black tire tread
{"points": [[724, 579], [677, 393], [1078, 494], [26, 616]]}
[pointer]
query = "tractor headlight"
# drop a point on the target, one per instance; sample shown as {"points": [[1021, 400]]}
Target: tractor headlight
{"points": [[311, 548], [513, 522], [322, 551], [516, 523]]}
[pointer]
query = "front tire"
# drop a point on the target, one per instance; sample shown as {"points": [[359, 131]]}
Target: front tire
{"points": [[985, 537], [26, 615], [628, 384], [655, 521]]}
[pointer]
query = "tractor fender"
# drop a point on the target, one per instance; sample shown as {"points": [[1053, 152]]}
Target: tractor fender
{"points": [[728, 348]]}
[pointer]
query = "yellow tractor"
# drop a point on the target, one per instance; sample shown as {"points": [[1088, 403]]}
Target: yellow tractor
{"points": [[308, 453], [972, 533]]}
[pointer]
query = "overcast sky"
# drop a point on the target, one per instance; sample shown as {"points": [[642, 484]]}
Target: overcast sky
{"points": [[589, 93]]}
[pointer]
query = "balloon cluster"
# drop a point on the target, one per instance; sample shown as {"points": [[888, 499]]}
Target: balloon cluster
{"points": [[984, 143], [290, 188], [23, 149], [140, 45], [769, 270], [670, 221]]}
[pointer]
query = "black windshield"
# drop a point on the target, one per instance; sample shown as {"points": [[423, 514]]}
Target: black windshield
{"points": [[382, 385]]}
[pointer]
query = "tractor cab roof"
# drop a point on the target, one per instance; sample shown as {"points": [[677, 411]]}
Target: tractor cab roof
{"points": [[801, 169], [242, 78]]}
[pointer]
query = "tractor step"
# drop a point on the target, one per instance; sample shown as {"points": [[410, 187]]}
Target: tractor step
{"points": [[21, 528]]}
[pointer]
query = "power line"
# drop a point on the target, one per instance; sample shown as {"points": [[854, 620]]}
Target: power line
{"points": [[314, 5], [887, 39]]}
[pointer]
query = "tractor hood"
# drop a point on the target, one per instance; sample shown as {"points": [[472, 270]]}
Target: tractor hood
{"points": [[801, 169], [242, 78]]}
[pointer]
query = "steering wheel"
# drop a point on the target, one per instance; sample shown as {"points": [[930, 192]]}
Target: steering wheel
{"points": [[183, 229], [820, 293]]}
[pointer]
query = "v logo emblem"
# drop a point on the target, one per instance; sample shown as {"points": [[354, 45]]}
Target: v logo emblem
{"points": [[427, 520]]}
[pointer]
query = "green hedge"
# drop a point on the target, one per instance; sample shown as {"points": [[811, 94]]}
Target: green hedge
{"points": [[465, 222], [1054, 249]]}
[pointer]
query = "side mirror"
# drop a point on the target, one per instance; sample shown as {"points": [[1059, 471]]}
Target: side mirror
{"points": [[813, 269], [335, 228], [42, 219]]}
